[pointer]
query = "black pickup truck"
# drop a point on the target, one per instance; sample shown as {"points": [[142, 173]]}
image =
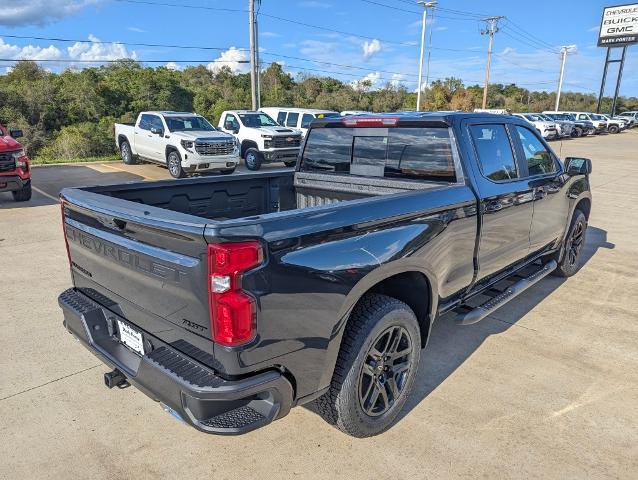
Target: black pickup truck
{"points": [[232, 299]]}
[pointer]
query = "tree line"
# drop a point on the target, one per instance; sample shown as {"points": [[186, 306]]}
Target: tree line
{"points": [[70, 115]]}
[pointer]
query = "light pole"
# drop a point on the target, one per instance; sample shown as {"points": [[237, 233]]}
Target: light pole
{"points": [[564, 50], [425, 5]]}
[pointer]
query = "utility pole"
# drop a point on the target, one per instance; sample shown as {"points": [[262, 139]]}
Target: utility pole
{"points": [[490, 29], [425, 5], [253, 56], [564, 50], [258, 61]]}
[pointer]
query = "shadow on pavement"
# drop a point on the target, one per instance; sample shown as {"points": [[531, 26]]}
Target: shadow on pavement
{"points": [[450, 345]]}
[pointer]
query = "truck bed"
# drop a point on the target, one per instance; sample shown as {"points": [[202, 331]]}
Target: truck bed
{"points": [[249, 195]]}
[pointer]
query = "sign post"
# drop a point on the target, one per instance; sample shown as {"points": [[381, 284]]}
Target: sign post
{"points": [[618, 29]]}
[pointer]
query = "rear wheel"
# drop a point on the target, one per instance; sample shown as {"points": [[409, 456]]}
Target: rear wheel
{"points": [[573, 246], [576, 132], [22, 195], [253, 159], [174, 164], [127, 153], [376, 367]]}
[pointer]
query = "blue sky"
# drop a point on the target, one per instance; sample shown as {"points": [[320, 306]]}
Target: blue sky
{"points": [[358, 39]]}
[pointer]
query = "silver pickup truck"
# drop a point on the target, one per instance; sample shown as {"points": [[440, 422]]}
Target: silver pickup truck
{"points": [[185, 142]]}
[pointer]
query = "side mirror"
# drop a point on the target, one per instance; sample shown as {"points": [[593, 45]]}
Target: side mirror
{"points": [[577, 166], [157, 131], [15, 133], [235, 130]]}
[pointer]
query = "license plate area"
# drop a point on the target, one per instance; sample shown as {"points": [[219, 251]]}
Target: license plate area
{"points": [[130, 337]]}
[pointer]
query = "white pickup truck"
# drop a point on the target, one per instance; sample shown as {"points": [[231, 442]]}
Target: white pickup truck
{"points": [[185, 142], [262, 140]]}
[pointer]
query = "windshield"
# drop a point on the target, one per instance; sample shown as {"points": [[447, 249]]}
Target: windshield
{"points": [[534, 118], [256, 120], [188, 124]]}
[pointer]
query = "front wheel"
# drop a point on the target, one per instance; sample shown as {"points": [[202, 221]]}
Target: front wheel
{"points": [[22, 195], [253, 159], [573, 246], [174, 164], [375, 369], [613, 129]]}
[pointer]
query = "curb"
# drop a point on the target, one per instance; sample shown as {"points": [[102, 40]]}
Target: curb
{"points": [[70, 164]]}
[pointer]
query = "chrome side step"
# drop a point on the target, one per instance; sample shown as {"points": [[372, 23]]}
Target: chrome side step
{"points": [[479, 313]]}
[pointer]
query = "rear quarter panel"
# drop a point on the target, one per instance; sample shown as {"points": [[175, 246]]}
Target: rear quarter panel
{"points": [[319, 262]]}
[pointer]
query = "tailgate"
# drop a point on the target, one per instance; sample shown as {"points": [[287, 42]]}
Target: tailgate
{"points": [[145, 263]]}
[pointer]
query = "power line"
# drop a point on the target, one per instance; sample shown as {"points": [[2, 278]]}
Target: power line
{"points": [[530, 35], [128, 44], [119, 60], [196, 7]]}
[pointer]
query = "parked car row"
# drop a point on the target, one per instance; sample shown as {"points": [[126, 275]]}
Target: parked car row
{"points": [[187, 143]]}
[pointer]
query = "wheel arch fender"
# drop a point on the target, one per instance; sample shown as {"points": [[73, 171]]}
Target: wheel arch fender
{"points": [[123, 138], [169, 149], [390, 279], [245, 145]]}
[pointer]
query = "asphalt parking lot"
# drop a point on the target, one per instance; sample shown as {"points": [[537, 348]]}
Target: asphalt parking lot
{"points": [[546, 387]]}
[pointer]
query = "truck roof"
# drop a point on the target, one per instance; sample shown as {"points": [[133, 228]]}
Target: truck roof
{"points": [[243, 111], [443, 117], [168, 113]]}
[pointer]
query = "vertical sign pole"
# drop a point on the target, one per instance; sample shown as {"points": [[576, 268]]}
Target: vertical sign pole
{"points": [[602, 83], [622, 64]]}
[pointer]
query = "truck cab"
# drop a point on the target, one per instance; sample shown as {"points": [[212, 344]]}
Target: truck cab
{"points": [[299, 118], [262, 140], [15, 173], [185, 142]]}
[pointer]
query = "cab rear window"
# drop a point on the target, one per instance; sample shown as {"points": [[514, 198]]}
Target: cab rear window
{"points": [[397, 152]]}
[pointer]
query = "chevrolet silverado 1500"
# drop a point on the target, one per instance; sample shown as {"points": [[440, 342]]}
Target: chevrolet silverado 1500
{"points": [[232, 299]]}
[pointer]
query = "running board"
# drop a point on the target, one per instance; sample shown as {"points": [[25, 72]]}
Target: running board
{"points": [[479, 313]]}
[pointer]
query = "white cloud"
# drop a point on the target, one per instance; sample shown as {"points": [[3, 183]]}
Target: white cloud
{"points": [[366, 82], [136, 29], [594, 29], [269, 34], [98, 51], [370, 48], [40, 12], [231, 58], [78, 51], [315, 4], [396, 80], [173, 66]]}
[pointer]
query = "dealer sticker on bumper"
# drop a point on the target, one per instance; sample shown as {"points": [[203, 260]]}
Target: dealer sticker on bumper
{"points": [[131, 337]]}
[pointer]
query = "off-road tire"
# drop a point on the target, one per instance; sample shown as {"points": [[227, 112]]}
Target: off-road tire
{"points": [[572, 246], [22, 195], [253, 159], [127, 154], [341, 405], [174, 165]]}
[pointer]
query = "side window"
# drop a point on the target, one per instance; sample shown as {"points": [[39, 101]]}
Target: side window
{"points": [[494, 152], [145, 122], [230, 122], [582, 116], [281, 118], [156, 122], [306, 119], [291, 121], [539, 159]]}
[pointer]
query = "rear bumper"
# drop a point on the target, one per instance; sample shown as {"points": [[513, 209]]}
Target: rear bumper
{"points": [[10, 183], [192, 391]]}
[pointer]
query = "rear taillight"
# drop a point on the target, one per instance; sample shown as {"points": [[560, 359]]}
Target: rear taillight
{"points": [[66, 240], [232, 311]]}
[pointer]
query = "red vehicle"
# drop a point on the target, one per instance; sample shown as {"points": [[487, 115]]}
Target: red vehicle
{"points": [[15, 174]]}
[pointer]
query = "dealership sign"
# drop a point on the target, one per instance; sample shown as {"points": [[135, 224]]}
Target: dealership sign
{"points": [[619, 26]]}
